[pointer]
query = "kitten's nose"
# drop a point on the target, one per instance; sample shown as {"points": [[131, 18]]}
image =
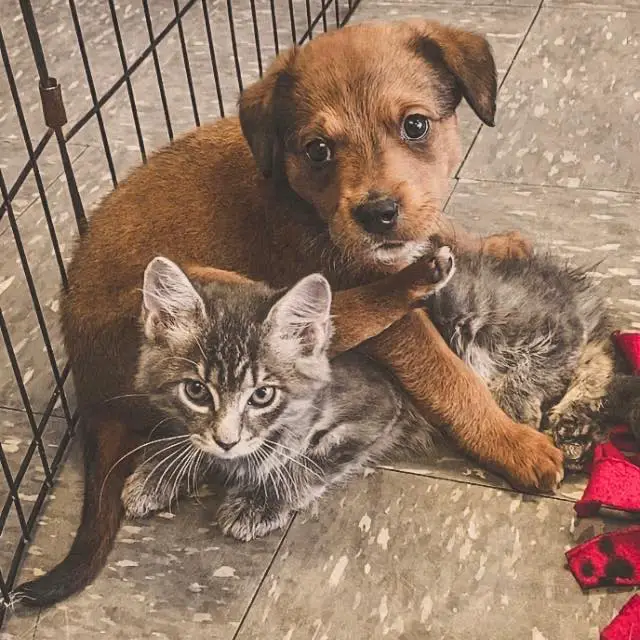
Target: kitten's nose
{"points": [[225, 445]]}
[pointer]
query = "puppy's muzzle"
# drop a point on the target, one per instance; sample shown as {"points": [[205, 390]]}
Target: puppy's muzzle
{"points": [[377, 216]]}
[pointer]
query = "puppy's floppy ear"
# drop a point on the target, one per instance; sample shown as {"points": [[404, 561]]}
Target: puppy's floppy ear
{"points": [[259, 117], [468, 57]]}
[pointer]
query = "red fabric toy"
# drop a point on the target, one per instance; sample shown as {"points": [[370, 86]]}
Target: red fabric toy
{"points": [[609, 560], [629, 343], [626, 625], [613, 559], [614, 483]]}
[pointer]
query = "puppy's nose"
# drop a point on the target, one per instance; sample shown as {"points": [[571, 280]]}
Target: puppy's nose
{"points": [[377, 216], [225, 445]]}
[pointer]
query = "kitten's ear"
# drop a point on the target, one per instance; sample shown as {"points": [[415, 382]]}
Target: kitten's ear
{"points": [[169, 300], [299, 325]]}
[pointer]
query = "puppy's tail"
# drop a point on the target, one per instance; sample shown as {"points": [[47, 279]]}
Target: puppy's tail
{"points": [[106, 441]]}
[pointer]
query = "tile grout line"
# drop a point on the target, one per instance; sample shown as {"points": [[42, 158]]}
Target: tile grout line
{"points": [[263, 578], [450, 196], [544, 185], [475, 483], [35, 413], [502, 82]]}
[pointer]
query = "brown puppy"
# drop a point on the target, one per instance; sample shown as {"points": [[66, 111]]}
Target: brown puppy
{"points": [[351, 142]]}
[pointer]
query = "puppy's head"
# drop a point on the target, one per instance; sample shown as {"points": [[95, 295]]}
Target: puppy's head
{"points": [[361, 123]]}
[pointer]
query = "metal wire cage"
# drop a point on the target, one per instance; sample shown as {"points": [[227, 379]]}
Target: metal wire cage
{"points": [[132, 77]]}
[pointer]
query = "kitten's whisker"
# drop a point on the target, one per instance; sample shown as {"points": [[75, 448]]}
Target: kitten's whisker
{"points": [[204, 355], [126, 395], [260, 454], [275, 470], [192, 362], [176, 462], [283, 453], [179, 476], [126, 455], [163, 450], [171, 456], [296, 452], [284, 473], [188, 474], [157, 426], [196, 475]]}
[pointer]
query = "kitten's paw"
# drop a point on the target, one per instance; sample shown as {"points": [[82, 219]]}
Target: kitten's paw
{"points": [[507, 245], [244, 520], [531, 461], [138, 500]]}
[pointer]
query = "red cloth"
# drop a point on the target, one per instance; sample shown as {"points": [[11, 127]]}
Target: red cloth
{"points": [[613, 559], [626, 625], [614, 483], [629, 343]]}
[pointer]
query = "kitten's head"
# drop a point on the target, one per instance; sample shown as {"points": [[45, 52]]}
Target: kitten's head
{"points": [[233, 362]]}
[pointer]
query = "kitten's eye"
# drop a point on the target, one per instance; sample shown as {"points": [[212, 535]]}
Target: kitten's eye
{"points": [[196, 392], [415, 127], [263, 397]]}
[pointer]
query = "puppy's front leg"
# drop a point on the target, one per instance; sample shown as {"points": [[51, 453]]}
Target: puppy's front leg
{"points": [[449, 393], [364, 312]]}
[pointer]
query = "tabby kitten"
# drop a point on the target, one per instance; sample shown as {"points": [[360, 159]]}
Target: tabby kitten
{"points": [[242, 374], [539, 333]]}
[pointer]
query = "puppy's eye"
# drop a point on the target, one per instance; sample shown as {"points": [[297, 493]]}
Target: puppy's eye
{"points": [[196, 392], [415, 127], [318, 151], [263, 397]]}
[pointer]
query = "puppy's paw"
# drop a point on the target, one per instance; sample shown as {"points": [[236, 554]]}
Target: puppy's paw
{"points": [[138, 499], [443, 266], [243, 519], [507, 245], [531, 461], [431, 273]]}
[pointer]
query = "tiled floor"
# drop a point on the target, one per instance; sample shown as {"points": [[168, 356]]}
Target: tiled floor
{"points": [[435, 551]]}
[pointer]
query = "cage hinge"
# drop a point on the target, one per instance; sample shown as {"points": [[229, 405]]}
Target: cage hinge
{"points": [[55, 115]]}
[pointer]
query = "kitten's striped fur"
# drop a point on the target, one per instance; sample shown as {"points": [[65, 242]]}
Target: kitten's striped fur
{"points": [[328, 421]]}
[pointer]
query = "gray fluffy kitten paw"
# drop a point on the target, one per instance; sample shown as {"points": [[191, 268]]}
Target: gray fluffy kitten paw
{"points": [[242, 519], [138, 500]]}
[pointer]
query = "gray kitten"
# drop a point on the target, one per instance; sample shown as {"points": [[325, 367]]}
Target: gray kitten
{"points": [[242, 374], [539, 333]]}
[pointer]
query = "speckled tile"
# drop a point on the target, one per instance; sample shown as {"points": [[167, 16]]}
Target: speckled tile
{"points": [[569, 112], [505, 28], [400, 557], [16, 437], [93, 181], [64, 61], [624, 5], [172, 576]]}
